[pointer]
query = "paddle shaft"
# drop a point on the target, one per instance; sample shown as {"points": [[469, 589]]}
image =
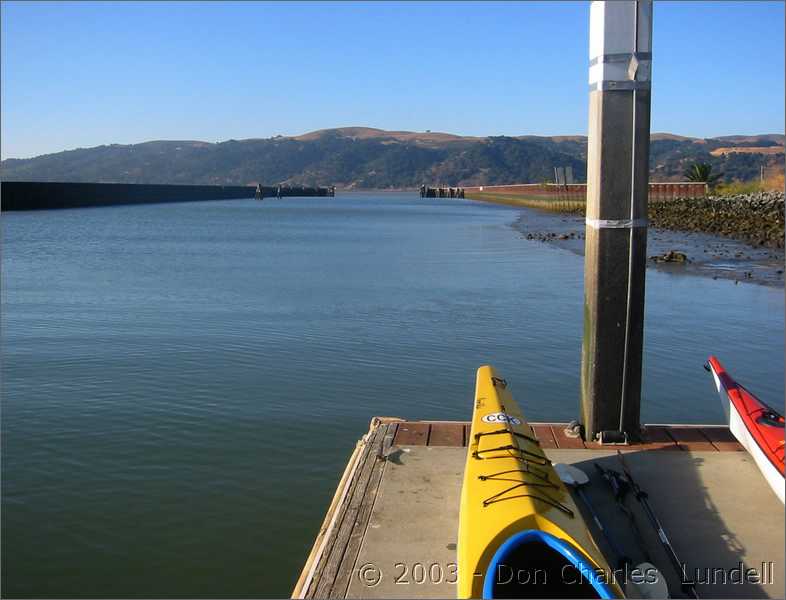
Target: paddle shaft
{"points": [[623, 560], [618, 490], [641, 496]]}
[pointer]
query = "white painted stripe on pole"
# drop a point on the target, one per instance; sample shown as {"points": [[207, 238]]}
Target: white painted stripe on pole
{"points": [[608, 72], [617, 223]]}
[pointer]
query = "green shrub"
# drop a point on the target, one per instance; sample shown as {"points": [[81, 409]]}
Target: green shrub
{"points": [[737, 187]]}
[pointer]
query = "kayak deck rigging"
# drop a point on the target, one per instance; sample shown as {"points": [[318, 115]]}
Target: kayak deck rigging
{"points": [[532, 457], [500, 515], [500, 496]]}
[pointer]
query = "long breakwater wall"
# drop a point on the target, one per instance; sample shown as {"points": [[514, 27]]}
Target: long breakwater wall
{"points": [[35, 195]]}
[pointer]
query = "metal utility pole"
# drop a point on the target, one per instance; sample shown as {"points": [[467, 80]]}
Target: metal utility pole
{"points": [[616, 224]]}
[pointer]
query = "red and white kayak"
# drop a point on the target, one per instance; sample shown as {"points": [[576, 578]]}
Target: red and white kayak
{"points": [[758, 427]]}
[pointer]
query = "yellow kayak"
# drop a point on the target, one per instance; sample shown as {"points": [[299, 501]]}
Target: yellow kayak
{"points": [[520, 533]]}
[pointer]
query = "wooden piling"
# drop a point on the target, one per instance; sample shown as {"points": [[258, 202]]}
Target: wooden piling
{"points": [[441, 192], [616, 231]]}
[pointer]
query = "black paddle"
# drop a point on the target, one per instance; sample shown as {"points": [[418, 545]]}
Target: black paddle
{"points": [[641, 496], [654, 589], [575, 478], [619, 489]]}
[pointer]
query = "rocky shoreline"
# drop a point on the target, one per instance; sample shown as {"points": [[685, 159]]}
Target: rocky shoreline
{"points": [[739, 237], [757, 219]]}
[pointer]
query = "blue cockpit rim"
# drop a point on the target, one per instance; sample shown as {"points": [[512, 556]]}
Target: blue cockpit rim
{"points": [[563, 547]]}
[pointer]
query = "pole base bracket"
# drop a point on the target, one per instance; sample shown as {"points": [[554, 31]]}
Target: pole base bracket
{"points": [[613, 438]]}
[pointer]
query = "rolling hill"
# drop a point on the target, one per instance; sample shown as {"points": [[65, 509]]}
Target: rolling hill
{"points": [[368, 158]]}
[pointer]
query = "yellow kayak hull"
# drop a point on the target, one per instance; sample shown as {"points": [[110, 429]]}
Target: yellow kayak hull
{"points": [[510, 489]]}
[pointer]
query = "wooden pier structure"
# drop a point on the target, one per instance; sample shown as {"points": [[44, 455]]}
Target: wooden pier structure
{"points": [[441, 192], [283, 191], [391, 528]]}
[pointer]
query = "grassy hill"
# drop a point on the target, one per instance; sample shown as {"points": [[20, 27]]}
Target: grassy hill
{"points": [[363, 157]]}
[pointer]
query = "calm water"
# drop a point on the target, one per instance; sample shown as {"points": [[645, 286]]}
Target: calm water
{"points": [[183, 383]]}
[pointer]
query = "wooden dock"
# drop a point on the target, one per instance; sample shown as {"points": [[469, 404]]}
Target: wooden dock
{"points": [[390, 530]]}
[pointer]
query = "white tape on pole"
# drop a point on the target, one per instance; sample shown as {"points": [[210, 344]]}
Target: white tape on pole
{"points": [[617, 223]]}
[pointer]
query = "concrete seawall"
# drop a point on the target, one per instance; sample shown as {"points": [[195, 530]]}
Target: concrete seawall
{"points": [[30, 195]]}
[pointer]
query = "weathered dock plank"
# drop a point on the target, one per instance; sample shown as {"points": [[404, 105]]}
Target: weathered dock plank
{"points": [[545, 436], [412, 433], [328, 571], [563, 440], [658, 437], [553, 435], [691, 438], [446, 434], [315, 567], [360, 524], [722, 439]]}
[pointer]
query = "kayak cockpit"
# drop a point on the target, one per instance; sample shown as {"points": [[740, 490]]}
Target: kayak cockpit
{"points": [[536, 564]]}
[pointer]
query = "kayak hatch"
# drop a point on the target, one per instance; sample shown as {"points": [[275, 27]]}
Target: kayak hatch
{"points": [[535, 564]]}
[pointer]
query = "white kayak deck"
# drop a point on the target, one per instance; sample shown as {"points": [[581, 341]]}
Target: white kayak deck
{"points": [[391, 529]]}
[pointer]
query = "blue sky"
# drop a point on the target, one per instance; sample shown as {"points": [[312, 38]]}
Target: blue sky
{"points": [[85, 74]]}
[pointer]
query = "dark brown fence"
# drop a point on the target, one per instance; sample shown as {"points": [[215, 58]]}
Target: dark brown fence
{"points": [[577, 192]]}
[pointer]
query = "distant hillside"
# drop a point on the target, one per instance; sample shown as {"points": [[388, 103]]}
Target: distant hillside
{"points": [[363, 157]]}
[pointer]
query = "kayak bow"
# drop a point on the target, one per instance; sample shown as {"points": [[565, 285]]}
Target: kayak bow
{"points": [[520, 533], [758, 427]]}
